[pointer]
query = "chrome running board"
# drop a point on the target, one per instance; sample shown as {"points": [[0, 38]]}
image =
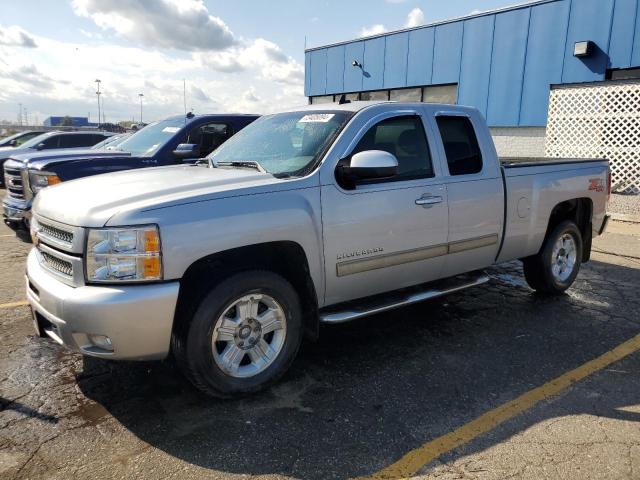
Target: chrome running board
{"points": [[398, 300]]}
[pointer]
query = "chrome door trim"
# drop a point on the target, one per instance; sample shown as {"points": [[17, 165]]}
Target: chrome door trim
{"points": [[386, 260]]}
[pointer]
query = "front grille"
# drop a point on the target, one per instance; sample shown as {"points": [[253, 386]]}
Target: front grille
{"points": [[56, 264], [47, 231], [14, 183]]}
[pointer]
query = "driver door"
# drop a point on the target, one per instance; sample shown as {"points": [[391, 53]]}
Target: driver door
{"points": [[386, 234]]}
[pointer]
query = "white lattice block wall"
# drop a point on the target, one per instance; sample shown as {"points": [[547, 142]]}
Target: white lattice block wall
{"points": [[598, 121]]}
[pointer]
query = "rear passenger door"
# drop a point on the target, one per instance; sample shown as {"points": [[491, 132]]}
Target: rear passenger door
{"points": [[389, 233], [475, 193]]}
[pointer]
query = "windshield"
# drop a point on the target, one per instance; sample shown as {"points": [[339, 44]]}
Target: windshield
{"points": [[151, 138], [35, 141], [285, 144]]}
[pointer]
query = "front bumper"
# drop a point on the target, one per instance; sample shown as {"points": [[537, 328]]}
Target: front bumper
{"points": [[16, 213], [138, 319]]}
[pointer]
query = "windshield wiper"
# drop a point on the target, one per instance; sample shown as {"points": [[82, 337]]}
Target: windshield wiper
{"points": [[243, 163]]}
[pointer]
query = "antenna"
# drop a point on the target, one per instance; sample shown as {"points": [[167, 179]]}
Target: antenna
{"points": [[184, 99]]}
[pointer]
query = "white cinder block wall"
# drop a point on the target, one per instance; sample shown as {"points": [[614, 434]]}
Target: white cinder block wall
{"points": [[519, 141]]}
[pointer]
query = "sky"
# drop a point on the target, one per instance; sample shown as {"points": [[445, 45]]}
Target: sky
{"points": [[234, 56]]}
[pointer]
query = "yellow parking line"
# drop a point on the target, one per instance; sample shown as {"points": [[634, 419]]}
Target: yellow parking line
{"points": [[409, 464], [14, 304]]}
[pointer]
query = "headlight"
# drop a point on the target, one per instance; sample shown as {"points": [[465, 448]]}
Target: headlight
{"points": [[40, 180], [124, 254]]}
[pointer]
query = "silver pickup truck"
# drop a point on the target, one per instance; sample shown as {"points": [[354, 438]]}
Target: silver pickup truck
{"points": [[323, 214]]}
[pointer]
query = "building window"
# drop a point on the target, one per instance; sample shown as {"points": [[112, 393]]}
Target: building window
{"points": [[624, 74], [377, 95], [322, 99], [440, 94], [406, 95], [431, 94]]}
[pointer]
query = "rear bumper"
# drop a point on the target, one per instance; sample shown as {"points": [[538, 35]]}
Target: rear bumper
{"points": [[137, 319]]}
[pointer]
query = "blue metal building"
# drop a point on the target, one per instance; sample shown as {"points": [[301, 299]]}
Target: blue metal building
{"points": [[75, 122], [503, 62]]}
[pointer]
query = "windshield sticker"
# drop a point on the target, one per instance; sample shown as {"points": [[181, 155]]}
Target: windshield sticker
{"points": [[317, 117], [170, 129]]}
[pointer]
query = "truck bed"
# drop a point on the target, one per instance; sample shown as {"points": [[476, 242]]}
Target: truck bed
{"points": [[515, 162]]}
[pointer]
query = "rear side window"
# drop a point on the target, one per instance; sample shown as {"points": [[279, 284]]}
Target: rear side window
{"points": [[460, 145], [72, 141], [403, 137]]}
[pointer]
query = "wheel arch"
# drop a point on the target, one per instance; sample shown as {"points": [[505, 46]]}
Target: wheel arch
{"points": [[579, 211], [286, 258]]}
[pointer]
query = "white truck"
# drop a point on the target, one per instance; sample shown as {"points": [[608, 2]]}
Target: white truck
{"points": [[327, 213]]}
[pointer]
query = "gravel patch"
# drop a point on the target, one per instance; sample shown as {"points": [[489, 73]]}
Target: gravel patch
{"points": [[625, 205]]}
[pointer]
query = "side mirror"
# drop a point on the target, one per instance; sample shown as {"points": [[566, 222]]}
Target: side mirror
{"points": [[187, 150], [13, 143], [367, 165], [40, 146]]}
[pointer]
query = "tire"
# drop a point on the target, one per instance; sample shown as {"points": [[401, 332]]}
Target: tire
{"points": [[556, 267], [239, 363]]}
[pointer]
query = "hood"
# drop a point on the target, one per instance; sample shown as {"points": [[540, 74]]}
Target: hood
{"points": [[6, 152], [92, 201], [42, 158]]}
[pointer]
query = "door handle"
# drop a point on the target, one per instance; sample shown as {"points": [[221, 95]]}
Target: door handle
{"points": [[427, 201]]}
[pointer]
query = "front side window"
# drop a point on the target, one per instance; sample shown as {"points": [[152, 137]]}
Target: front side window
{"points": [[285, 144], [403, 137], [48, 140], [209, 137], [460, 145], [150, 139]]}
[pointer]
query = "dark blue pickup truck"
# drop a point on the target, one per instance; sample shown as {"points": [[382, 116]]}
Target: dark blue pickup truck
{"points": [[174, 140]]}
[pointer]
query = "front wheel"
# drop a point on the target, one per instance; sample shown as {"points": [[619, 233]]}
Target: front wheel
{"points": [[556, 267], [243, 336]]}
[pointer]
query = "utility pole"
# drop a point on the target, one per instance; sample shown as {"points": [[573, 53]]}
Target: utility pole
{"points": [[20, 114], [140, 95], [98, 94]]}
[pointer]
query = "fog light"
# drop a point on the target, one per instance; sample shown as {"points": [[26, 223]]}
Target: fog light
{"points": [[101, 341]]}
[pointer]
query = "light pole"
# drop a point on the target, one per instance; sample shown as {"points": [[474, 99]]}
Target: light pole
{"points": [[98, 95], [140, 95]]}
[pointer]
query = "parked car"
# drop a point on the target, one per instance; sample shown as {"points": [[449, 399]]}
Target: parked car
{"points": [[50, 141], [177, 139], [320, 215], [19, 138]]}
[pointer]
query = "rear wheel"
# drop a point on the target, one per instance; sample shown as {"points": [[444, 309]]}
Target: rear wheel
{"points": [[243, 336], [556, 267]]}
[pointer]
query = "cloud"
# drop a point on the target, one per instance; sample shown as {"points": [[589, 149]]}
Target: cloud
{"points": [[29, 75], [250, 95], [372, 30], [261, 55], [179, 24], [15, 36], [415, 18]]}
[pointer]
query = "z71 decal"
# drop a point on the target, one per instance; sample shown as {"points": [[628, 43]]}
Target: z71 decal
{"points": [[596, 185]]}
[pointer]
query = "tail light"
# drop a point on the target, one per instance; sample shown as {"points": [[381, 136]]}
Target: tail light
{"points": [[608, 184]]}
